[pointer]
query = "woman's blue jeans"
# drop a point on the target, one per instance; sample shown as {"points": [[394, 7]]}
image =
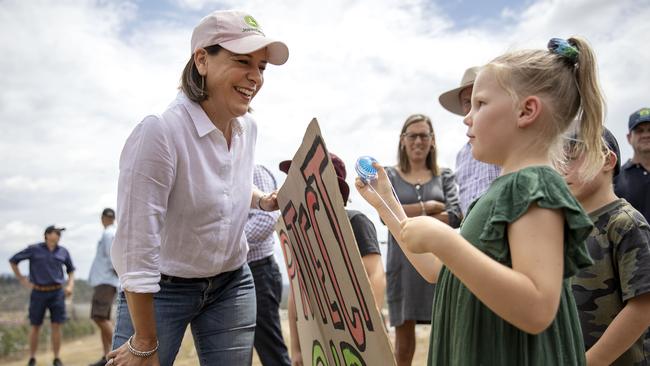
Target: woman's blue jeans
{"points": [[220, 310]]}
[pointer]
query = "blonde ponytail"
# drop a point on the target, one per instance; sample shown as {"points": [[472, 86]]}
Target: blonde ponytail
{"points": [[592, 109], [566, 75]]}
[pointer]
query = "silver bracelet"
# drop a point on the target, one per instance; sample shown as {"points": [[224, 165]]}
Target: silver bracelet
{"points": [[138, 353], [259, 202]]}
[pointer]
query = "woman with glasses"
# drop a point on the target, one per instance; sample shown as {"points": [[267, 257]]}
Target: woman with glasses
{"points": [[423, 188]]}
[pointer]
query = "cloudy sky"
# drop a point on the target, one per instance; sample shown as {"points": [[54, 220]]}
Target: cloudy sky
{"points": [[77, 76]]}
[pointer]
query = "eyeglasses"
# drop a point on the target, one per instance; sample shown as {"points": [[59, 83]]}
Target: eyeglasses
{"points": [[414, 136]]}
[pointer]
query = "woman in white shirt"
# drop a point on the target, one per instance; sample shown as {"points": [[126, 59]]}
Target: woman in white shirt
{"points": [[184, 193]]}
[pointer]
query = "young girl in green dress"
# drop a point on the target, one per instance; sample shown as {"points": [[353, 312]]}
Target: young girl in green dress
{"points": [[503, 295]]}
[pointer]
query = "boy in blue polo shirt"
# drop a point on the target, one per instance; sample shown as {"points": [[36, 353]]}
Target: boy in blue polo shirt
{"points": [[46, 280]]}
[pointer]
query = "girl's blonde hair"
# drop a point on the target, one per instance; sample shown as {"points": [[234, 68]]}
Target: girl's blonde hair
{"points": [[568, 87]]}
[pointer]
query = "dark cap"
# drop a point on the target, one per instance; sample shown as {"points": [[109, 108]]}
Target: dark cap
{"points": [[638, 117], [108, 212], [53, 228], [339, 168], [612, 145]]}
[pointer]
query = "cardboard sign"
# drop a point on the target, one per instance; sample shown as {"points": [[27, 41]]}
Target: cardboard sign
{"points": [[338, 322]]}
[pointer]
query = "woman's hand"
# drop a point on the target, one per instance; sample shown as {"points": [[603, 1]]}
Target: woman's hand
{"points": [[379, 191], [123, 357], [269, 201], [422, 234], [433, 207]]}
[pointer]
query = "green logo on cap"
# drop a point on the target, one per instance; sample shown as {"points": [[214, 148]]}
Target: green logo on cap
{"points": [[251, 21], [644, 112]]}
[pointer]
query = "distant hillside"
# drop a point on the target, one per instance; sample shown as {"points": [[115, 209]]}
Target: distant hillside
{"points": [[14, 297]]}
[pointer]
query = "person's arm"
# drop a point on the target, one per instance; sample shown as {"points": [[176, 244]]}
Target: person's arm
{"points": [[145, 337], [626, 328], [526, 295], [296, 355], [22, 279], [144, 321], [442, 217], [631, 256], [69, 288], [427, 265], [452, 214], [147, 173], [261, 224], [267, 201], [107, 243], [428, 208], [375, 271], [264, 182], [365, 235], [69, 268]]}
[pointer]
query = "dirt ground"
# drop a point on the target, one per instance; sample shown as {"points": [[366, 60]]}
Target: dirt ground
{"points": [[82, 351]]}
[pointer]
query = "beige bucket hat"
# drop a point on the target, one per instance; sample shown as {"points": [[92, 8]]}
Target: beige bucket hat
{"points": [[450, 99]]}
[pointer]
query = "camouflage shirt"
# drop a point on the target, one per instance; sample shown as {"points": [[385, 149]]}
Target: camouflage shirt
{"points": [[620, 247]]}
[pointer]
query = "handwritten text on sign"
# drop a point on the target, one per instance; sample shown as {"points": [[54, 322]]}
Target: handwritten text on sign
{"points": [[336, 311]]}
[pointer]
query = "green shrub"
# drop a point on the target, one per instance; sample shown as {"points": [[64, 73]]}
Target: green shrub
{"points": [[13, 337]]}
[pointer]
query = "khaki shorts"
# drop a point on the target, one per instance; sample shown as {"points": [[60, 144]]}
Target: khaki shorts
{"points": [[103, 298]]}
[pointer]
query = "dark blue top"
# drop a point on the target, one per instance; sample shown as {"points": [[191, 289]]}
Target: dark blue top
{"points": [[633, 184], [45, 266]]}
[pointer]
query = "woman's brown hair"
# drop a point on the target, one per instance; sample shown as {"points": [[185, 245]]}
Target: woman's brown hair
{"points": [[192, 83], [431, 160]]}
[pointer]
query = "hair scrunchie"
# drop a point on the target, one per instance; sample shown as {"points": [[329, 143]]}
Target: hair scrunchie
{"points": [[563, 48]]}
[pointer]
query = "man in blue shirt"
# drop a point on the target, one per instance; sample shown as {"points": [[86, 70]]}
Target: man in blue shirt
{"points": [[46, 280], [104, 280]]}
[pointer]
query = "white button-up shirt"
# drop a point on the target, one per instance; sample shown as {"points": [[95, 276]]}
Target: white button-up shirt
{"points": [[183, 197]]}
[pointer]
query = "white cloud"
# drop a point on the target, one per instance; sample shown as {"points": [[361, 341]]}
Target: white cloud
{"points": [[20, 229], [20, 183], [81, 74]]}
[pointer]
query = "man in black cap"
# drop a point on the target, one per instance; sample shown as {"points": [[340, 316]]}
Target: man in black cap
{"points": [[48, 285], [633, 183]]}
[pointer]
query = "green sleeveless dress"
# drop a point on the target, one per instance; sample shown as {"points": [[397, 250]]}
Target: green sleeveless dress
{"points": [[466, 332]]}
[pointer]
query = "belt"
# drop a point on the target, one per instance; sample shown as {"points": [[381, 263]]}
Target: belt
{"points": [[174, 279], [260, 262], [47, 287]]}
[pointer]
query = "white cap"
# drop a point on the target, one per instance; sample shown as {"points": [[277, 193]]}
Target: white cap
{"points": [[238, 32]]}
